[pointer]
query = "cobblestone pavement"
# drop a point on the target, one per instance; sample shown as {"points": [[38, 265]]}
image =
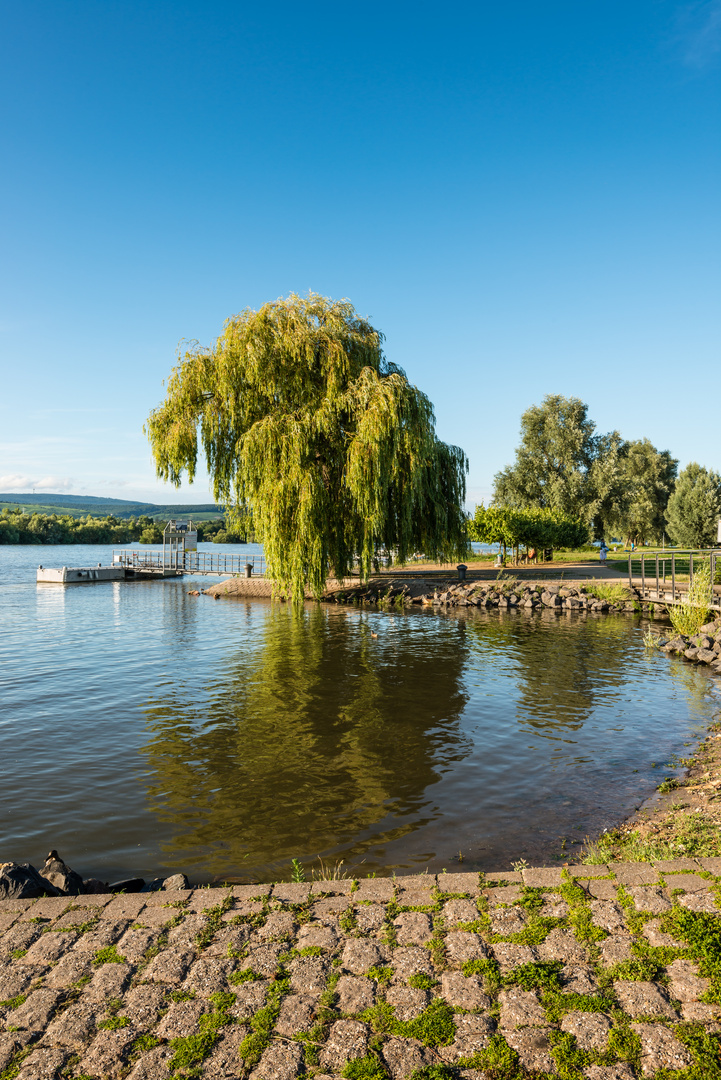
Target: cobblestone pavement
{"points": [[607, 973]]}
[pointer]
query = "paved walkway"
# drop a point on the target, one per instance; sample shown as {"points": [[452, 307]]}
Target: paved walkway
{"points": [[604, 974]]}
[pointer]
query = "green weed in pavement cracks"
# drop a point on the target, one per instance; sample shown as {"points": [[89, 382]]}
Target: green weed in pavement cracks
{"points": [[114, 1023], [437, 945], [488, 970], [13, 1002], [213, 922], [531, 899], [422, 981], [435, 1072], [161, 942], [635, 920], [434, 1026], [13, 1068], [381, 975], [264, 1020], [497, 1059], [244, 976], [348, 922], [108, 955], [569, 1058], [557, 1004], [705, 1050], [702, 932], [189, 1052], [143, 1044], [580, 915], [325, 1014], [535, 976], [364, 1068]]}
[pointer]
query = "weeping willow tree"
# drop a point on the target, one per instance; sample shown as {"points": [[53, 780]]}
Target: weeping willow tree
{"points": [[307, 426]]}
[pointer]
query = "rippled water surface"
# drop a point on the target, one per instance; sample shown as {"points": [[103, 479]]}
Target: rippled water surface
{"points": [[144, 730]]}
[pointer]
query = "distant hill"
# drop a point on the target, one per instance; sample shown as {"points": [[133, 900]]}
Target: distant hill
{"points": [[97, 506]]}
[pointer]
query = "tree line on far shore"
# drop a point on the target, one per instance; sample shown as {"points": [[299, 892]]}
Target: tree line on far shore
{"points": [[609, 486], [18, 527]]}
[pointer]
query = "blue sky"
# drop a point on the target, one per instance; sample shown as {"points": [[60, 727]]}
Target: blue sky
{"points": [[523, 197]]}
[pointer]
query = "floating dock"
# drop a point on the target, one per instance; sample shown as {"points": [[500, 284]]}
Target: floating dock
{"points": [[76, 575], [179, 555]]}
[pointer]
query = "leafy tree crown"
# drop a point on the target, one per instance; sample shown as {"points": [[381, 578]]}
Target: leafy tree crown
{"points": [[305, 423]]}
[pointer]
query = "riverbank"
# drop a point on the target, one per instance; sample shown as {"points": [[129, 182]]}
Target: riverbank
{"points": [[683, 818]]}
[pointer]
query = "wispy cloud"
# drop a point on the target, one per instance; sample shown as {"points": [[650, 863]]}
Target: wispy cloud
{"points": [[26, 484], [699, 32]]}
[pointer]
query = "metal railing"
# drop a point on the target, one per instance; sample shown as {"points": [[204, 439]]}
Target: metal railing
{"points": [[190, 562], [140, 560], [207, 562], [661, 565]]}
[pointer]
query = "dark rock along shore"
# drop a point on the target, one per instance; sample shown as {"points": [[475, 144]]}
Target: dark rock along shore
{"points": [[21, 881]]}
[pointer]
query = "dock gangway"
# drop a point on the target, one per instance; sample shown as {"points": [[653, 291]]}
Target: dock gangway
{"points": [[165, 562]]}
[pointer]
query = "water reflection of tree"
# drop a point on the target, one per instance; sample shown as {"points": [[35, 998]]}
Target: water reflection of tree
{"points": [[319, 738], [578, 663], [562, 664]]}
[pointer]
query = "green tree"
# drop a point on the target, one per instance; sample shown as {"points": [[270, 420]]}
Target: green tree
{"points": [[152, 534], [648, 478], [562, 465], [695, 507], [303, 421], [535, 528]]}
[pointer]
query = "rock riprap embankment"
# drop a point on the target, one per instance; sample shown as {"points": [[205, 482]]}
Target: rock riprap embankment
{"points": [[607, 972], [526, 595], [702, 648]]}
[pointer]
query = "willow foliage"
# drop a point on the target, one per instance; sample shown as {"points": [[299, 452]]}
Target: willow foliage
{"points": [[304, 422]]}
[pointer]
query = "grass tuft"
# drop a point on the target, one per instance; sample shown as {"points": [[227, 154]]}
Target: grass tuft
{"points": [[108, 955]]}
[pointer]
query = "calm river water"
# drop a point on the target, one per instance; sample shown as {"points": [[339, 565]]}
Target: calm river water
{"points": [[143, 730]]}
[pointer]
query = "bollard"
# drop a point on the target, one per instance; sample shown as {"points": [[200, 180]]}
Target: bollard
{"points": [[248, 569], [461, 568]]}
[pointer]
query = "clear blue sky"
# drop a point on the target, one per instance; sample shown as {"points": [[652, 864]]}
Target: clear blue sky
{"points": [[524, 197]]}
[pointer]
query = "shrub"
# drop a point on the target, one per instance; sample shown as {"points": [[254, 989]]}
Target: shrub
{"points": [[688, 617]]}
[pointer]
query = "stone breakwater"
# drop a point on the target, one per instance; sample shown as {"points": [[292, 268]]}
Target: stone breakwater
{"points": [[603, 972]]}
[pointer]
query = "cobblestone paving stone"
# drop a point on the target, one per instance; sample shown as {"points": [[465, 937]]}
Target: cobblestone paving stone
{"points": [[584, 973]]}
